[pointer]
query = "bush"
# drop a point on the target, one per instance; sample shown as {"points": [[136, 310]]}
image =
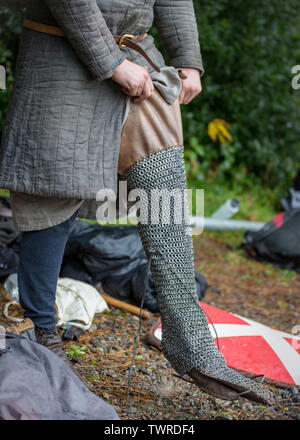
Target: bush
{"points": [[249, 49], [10, 28]]}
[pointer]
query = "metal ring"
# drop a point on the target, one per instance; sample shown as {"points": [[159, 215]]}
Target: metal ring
{"points": [[120, 43]]}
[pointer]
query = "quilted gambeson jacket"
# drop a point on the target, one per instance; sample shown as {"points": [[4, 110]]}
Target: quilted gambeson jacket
{"points": [[63, 127]]}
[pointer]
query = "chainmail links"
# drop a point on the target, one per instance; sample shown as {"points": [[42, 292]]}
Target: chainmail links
{"points": [[186, 339]]}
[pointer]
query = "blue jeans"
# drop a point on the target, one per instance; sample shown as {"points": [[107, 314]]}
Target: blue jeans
{"points": [[41, 254]]}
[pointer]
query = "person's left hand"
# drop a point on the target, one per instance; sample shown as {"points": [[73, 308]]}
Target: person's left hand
{"points": [[191, 86]]}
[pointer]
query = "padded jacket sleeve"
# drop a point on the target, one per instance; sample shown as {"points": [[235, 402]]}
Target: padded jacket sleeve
{"points": [[177, 27], [86, 29]]}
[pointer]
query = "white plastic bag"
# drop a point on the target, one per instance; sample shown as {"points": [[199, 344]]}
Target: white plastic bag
{"points": [[77, 303]]}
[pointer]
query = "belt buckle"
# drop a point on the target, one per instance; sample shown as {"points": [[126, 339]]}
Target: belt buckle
{"points": [[120, 43]]}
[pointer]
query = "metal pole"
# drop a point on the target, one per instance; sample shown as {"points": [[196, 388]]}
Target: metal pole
{"points": [[213, 224]]}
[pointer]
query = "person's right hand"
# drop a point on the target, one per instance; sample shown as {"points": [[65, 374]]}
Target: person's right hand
{"points": [[135, 80]]}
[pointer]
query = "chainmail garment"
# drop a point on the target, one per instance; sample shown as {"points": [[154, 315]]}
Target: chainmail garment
{"points": [[186, 339]]}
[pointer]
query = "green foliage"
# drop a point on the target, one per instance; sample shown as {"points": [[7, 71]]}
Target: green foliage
{"points": [[248, 49], [12, 4], [10, 28], [257, 204], [76, 351]]}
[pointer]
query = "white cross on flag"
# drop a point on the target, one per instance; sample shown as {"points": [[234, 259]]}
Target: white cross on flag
{"points": [[252, 347]]}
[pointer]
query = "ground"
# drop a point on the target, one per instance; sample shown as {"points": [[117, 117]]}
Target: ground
{"points": [[236, 283]]}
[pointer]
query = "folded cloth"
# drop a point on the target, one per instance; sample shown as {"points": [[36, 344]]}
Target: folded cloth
{"points": [[37, 385]]}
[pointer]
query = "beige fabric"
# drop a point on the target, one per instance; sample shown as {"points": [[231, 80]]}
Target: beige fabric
{"points": [[150, 126], [33, 213]]}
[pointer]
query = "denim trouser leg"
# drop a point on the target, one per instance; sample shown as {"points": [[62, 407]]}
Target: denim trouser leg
{"points": [[41, 254]]}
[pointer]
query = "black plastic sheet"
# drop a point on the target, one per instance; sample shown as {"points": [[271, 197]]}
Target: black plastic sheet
{"points": [[114, 256]]}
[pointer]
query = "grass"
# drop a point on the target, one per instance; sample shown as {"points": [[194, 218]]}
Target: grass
{"points": [[287, 276], [76, 351], [256, 204]]}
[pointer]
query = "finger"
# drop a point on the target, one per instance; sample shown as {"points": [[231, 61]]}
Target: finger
{"points": [[187, 98], [149, 89], [141, 88], [143, 83], [182, 97], [138, 99], [126, 90], [129, 91], [147, 92], [143, 96], [193, 94], [189, 95], [135, 91]]}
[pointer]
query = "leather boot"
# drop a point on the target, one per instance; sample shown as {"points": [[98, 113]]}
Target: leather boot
{"points": [[52, 340]]}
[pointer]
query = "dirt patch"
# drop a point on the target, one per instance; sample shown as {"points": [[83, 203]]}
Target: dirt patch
{"points": [[241, 285]]}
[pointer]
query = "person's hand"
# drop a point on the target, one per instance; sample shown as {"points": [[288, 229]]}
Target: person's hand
{"points": [[191, 86], [135, 80]]}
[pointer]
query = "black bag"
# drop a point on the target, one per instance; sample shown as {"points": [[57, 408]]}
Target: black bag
{"points": [[8, 234], [9, 247], [292, 200], [9, 261], [113, 256], [278, 241]]}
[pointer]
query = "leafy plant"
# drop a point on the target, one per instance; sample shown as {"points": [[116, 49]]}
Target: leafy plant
{"points": [[248, 51], [76, 351]]}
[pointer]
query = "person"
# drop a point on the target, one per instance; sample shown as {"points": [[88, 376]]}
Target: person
{"points": [[94, 103]]}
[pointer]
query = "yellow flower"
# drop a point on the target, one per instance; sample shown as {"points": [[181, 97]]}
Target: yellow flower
{"points": [[218, 131]]}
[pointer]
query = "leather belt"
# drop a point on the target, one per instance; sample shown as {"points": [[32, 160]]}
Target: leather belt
{"points": [[125, 40]]}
